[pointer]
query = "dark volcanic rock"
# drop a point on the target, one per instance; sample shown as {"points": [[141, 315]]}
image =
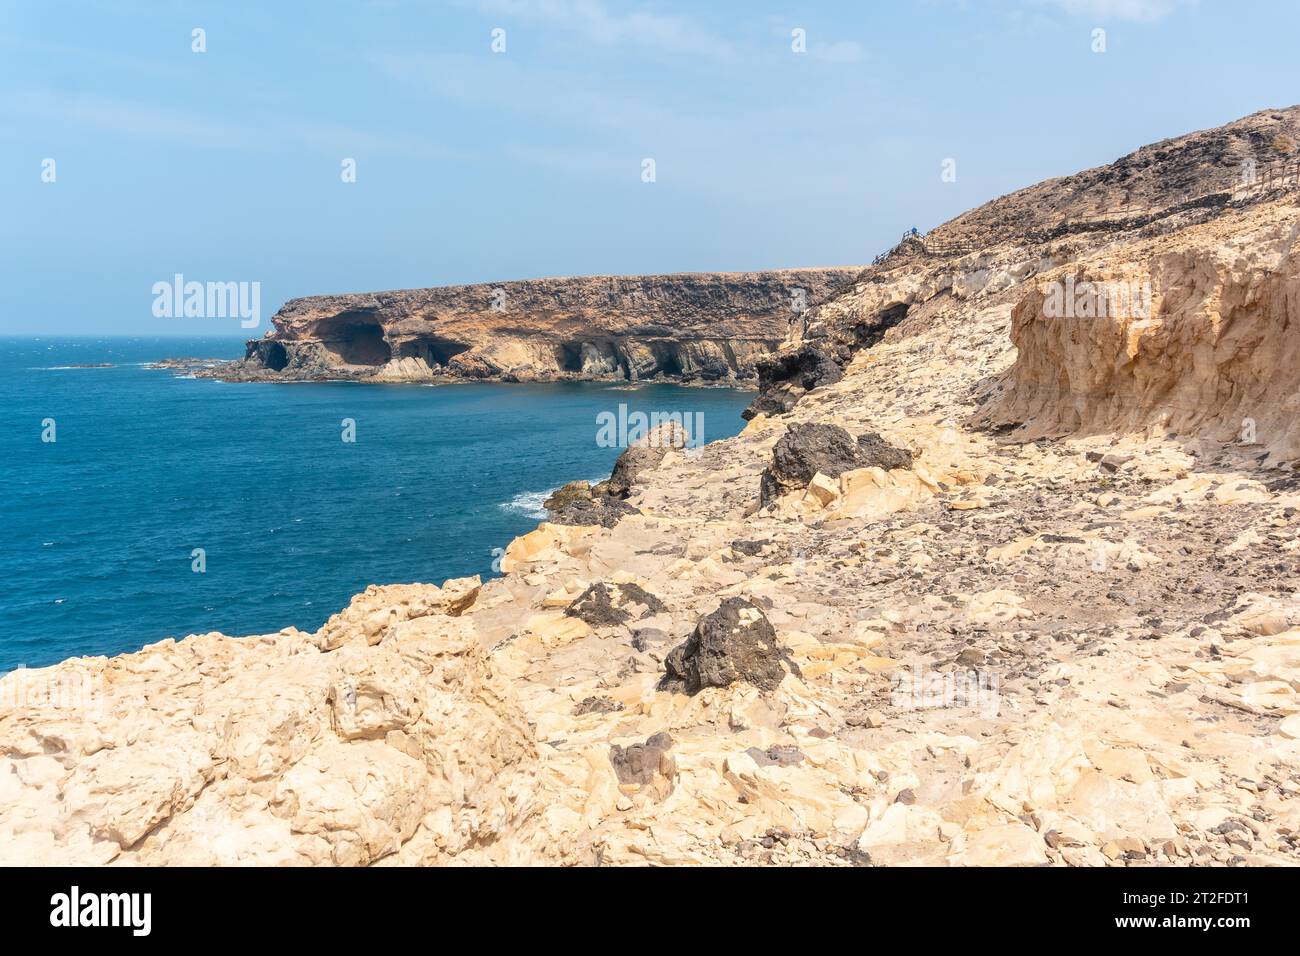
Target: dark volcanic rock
{"points": [[630, 464], [804, 450], [598, 509], [878, 453], [784, 377], [597, 705], [606, 604], [808, 448], [561, 498], [734, 643]]}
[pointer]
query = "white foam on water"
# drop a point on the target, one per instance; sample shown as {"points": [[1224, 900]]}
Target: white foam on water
{"points": [[528, 504]]}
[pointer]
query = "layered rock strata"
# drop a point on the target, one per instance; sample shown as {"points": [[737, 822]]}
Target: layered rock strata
{"points": [[697, 327]]}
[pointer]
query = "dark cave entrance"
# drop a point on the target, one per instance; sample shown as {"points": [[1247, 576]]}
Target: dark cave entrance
{"points": [[435, 350], [356, 341], [568, 356], [871, 331], [667, 358], [276, 358]]}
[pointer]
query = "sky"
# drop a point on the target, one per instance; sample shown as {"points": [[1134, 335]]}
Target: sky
{"points": [[781, 134]]}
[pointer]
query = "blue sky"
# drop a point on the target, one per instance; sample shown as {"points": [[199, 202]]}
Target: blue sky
{"points": [[480, 166]]}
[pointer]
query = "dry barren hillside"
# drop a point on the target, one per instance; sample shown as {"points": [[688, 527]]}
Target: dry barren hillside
{"points": [[1002, 570]]}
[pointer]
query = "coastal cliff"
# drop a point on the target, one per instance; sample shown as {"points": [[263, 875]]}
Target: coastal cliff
{"points": [[1002, 571], [697, 327]]}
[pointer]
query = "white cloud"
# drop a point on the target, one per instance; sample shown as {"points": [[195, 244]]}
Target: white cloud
{"points": [[1139, 10], [262, 133], [590, 18]]}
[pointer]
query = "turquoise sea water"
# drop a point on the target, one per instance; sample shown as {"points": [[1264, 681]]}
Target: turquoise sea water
{"points": [[101, 524]]}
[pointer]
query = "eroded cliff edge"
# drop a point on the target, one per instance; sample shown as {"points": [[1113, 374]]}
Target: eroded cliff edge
{"points": [[986, 583], [692, 327]]}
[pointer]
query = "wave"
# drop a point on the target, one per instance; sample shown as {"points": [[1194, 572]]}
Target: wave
{"points": [[529, 503]]}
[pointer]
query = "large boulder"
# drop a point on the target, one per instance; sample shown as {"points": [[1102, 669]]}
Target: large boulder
{"points": [[644, 455], [879, 453], [811, 448], [803, 451], [734, 643]]}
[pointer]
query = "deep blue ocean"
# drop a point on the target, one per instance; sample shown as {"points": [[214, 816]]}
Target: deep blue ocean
{"points": [[101, 524]]}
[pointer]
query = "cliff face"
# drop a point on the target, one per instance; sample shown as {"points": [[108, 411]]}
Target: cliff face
{"points": [[999, 574], [1209, 346], [692, 327], [1159, 189]]}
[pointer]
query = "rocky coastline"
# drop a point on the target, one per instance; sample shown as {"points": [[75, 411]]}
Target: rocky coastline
{"points": [[978, 584], [695, 328]]}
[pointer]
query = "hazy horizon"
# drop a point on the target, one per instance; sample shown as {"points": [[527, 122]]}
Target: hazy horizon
{"points": [[781, 136]]}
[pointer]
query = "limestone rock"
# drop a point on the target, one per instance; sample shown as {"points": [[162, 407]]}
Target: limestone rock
{"points": [[372, 613], [646, 453]]}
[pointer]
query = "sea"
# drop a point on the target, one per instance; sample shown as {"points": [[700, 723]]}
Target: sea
{"points": [[142, 503]]}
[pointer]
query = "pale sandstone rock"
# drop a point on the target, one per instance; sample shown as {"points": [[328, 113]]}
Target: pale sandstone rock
{"points": [[378, 608], [1011, 844], [1142, 700]]}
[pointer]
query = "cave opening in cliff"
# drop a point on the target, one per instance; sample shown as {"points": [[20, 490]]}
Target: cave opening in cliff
{"points": [[276, 359], [356, 341], [568, 356], [871, 331], [667, 359], [433, 349]]}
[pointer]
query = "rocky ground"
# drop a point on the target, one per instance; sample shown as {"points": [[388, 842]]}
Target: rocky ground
{"points": [[990, 588]]}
